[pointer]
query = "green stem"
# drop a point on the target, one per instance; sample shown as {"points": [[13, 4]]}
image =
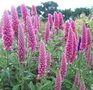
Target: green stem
{"points": [[7, 58], [22, 75]]}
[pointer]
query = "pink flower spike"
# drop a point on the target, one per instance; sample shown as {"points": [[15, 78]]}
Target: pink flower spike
{"points": [[88, 39], [42, 62], [60, 19], [25, 12], [69, 47], [56, 24], [82, 85], [21, 45], [31, 34], [7, 31], [58, 83], [33, 11], [49, 61], [47, 32], [83, 38], [63, 67], [66, 29], [77, 80], [88, 54], [74, 47], [73, 26], [50, 20], [15, 21]]}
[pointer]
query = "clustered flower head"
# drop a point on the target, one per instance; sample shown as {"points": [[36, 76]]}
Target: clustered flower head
{"points": [[7, 31], [31, 34], [58, 82], [47, 32], [49, 61], [63, 67], [36, 22], [73, 26], [33, 11], [88, 39], [74, 50], [50, 20], [56, 24], [83, 38], [42, 62], [82, 85], [15, 20], [24, 12], [60, 20], [69, 46], [21, 44], [77, 80], [66, 29]]}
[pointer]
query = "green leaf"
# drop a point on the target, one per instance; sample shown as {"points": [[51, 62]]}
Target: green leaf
{"points": [[31, 86], [16, 87]]}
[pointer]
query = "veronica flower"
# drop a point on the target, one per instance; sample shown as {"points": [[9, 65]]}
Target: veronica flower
{"points": [[31, 34], [7, 31], [63, 67], [47, 32], [21, 45], [42, 62], [66, 29], [60, 19], [15, 21], [33, 11], [77, 80], [88, 39], [56, 24], [50, 20], [82, 85], [48, 61], [73, 26], [69, 46], [83, 38], [58, 83], [25, 12]]}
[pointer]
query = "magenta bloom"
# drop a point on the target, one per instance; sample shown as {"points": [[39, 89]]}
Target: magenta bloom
{"points": [[25, 12], [77, 80], [21, 45], [82, 85], [47, 32], [69, 46], [15, 21], [58, 83], [74, 47], [60, 19], [73, 26], [7, 31], [83, 38], [49, 61], [63, 67], [88, 39], [36, 22], [56, 23], [33, 11], [88, 54], [50, 20], [66, 30], [31, 34], [42, 62]]}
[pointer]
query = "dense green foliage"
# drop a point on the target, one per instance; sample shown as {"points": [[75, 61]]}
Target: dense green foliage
{"points": [[49, 7]]}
